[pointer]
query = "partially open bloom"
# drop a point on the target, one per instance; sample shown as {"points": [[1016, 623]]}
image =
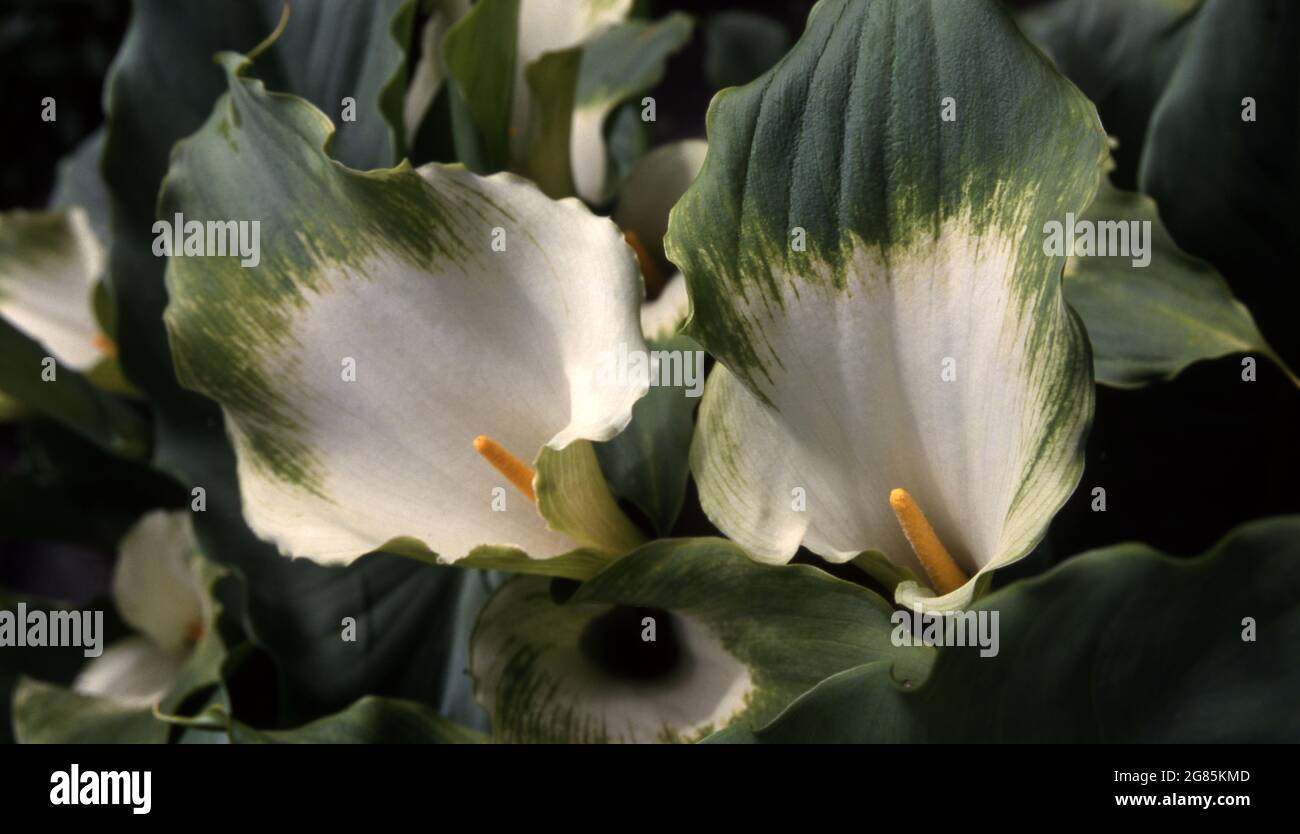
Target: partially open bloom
{"points": [[157, 589]]}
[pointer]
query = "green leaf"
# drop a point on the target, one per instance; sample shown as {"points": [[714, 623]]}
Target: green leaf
{"points": [[48, 714], [627, 139], [480, 55], [1147, 323], [56, 664], [1122, 54], [740, 46], [70, 398], [553, 83], [575, 500], [395, 654], [337, 49], [420, 106], [63, 488], [1120, 645], [648, 463], [579, 564], [370, 720], [872, 280], [1227, 186], [734, 642]]}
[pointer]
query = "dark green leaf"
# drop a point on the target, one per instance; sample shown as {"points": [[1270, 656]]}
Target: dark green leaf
{"points": [[1227, 186], [1147, 323], [648, 463], [480, 55], [740, 46], [49, 714], [69, 398], [1116, 645], [1121, 53], [370, 720]]}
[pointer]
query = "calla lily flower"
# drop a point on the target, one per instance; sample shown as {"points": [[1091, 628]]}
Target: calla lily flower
{"points": [[547, 26], [899, 374], [675, 641], [388, 384], [50, 263], [158, 591], [652, 187]]}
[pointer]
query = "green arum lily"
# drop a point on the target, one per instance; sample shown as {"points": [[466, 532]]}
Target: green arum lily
{"points": [[158, 589], [900, 380], [50, 265], [409, 339], [678, 639]]}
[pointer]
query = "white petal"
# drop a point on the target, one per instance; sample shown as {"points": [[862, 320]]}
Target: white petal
{"points": [[399, 315], [653, 186], [755, 493], [155, 585], [858, 405], [49, 263], [663, 316], [132, 672], [587, 152]]}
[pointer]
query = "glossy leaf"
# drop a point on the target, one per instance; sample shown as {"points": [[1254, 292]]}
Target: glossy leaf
{"points": [[1148, 322], [1120, 645]]}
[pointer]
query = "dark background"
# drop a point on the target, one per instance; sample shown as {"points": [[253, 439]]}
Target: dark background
{"points": [[1182, 462]]}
